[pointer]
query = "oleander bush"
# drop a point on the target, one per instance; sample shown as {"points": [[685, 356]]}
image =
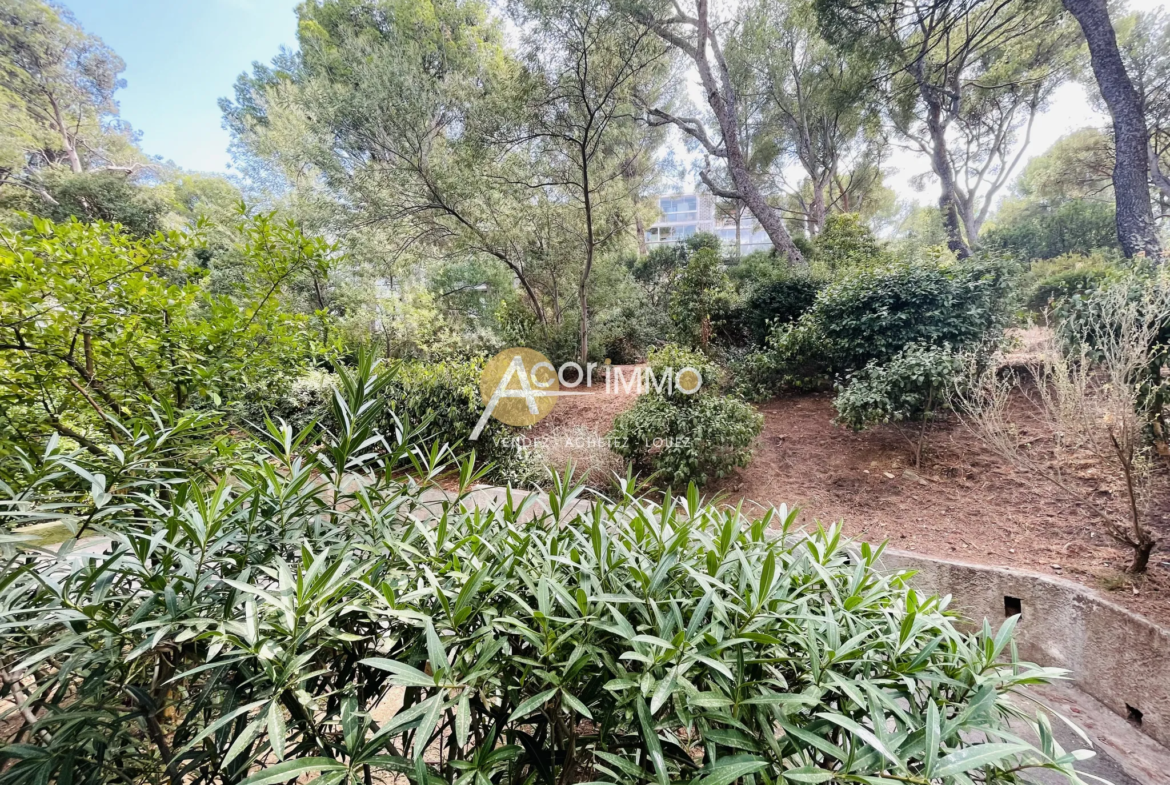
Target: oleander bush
{"points": [[331, 612], [443, 399]]}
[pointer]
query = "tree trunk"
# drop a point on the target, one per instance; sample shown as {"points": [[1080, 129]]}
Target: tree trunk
{"points": [[940, 162], [590, 247], [640, 228], [722, 99], [766, 214], [1141, 556], [816, 218], [583, 327], [1131, 186], [738, 231], [66, 139]]}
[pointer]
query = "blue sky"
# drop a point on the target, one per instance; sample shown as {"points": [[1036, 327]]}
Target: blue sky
{"points": [[181, 57]]}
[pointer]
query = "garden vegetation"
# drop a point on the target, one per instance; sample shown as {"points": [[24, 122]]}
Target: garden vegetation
{"points": [[257, 627]]}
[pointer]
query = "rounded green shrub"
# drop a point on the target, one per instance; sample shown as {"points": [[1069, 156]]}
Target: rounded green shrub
{"points": [[678, 437], [780, 300], [872, 315], [1050, 281], [680, 442], [915, 384]]}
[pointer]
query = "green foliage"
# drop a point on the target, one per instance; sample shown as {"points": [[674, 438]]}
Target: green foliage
{"points": [[1045, 231], [846, 243], [678, 443], [913, 385], [304, 401], [872, 315], [519, 326], [680, 437], [780, 300], [674, 358], [1050, 281], [658, 272], [104, 196], [441, 400], [629, 330], [702, 299], [98, 325], [796, 357], [753, 374], [248, 630]]}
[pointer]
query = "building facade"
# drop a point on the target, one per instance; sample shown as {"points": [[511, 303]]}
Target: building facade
{"points": [[682, 215]]}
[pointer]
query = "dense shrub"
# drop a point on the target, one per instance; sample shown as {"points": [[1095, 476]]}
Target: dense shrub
{"points": [[676, 443], [104, 196], [795, 358], [96, 323], [674, 358], [1045, 231], [703, 299], [444, 400], [752, 373], [679, 438], [911, 386], [305, 400], [1049, 281], [778, 300], [872, 315], [914, 385], [626, 333], [846, 243], [250, 631], [560, 343]]}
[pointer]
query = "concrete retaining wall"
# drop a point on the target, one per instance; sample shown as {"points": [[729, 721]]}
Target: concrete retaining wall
{"points": [[1118, 657]]}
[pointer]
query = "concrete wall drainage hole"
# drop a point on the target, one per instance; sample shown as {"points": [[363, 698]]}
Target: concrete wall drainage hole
{"points": [[1012, 607]]}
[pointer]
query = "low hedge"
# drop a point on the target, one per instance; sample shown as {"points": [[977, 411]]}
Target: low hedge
{"points": [[290, 622]]}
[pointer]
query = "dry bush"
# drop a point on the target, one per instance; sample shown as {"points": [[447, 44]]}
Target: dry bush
{"points": [[1092, 405]]}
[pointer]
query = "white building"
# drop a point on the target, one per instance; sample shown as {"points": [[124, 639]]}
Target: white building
{"points": [[685, 214]]}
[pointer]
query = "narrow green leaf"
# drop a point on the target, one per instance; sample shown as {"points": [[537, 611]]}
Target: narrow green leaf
{"points": [[404, 675], [650, 736], [976, 756], [932, 740], [729, 773], [532, 704], [291, 769], [462, 720], [808, 774], [864, 734]]}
